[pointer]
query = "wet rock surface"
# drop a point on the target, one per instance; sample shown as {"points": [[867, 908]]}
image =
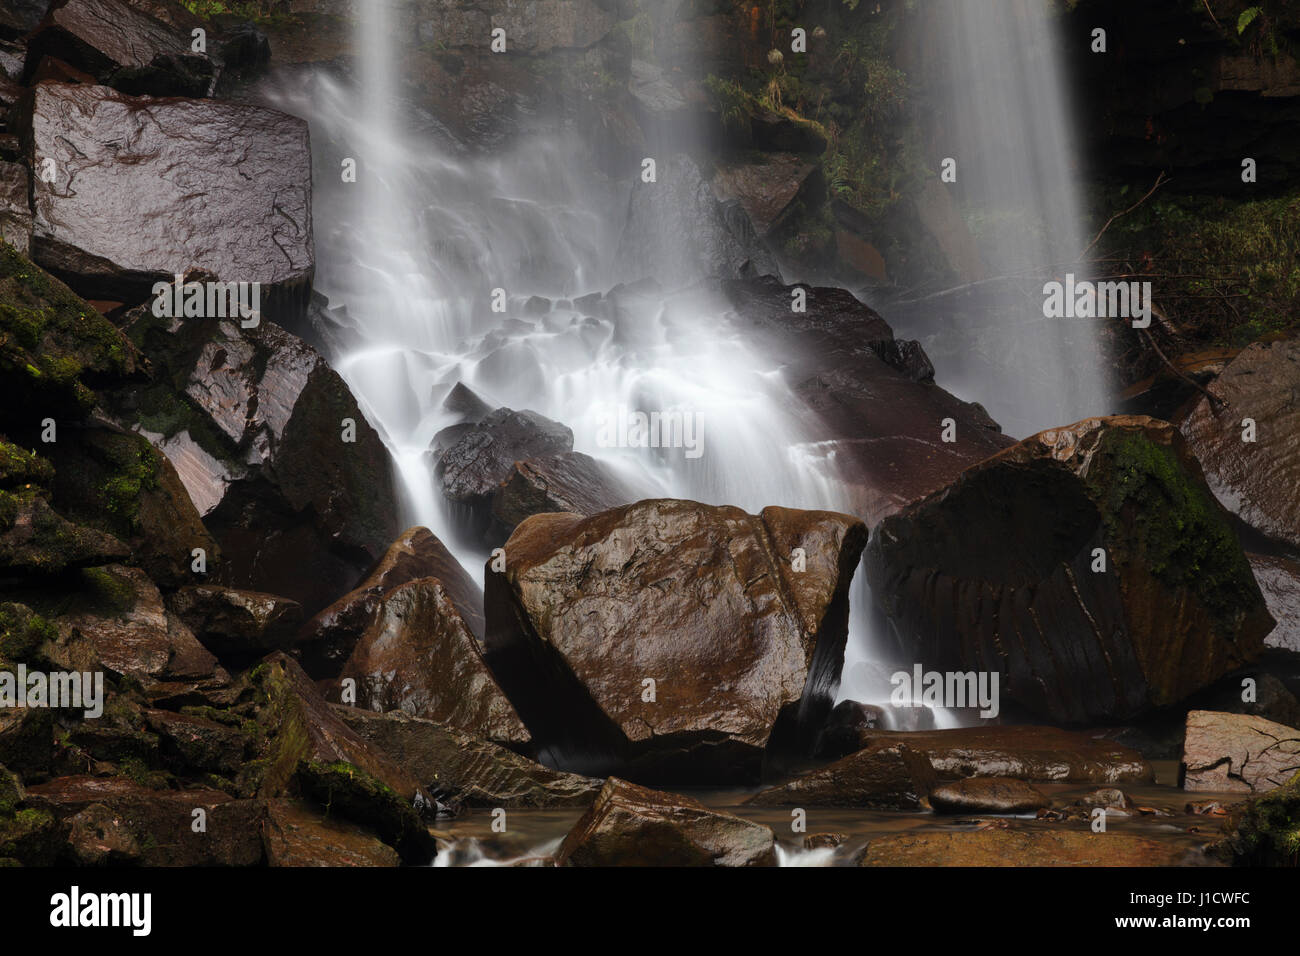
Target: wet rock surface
{"points": [[1020, 848], [886, 776], [742, 650], [1169, 614], [570, 482], [988, 795], [1238, 752]]}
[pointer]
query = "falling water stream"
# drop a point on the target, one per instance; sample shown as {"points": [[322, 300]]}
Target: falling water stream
{"points": [[410, 254]]}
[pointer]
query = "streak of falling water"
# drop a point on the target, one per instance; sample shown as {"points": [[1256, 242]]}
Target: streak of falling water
{"points": [[1006, 121]]}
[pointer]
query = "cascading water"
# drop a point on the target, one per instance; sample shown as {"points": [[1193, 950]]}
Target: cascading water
{"points": [[1003, 116]]}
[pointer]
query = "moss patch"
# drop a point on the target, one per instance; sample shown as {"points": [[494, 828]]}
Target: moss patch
{"points": [[18, 466], [344, 789], [22, 634], [1265, 831]]}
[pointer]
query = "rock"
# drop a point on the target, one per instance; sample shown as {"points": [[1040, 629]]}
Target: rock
{"points": [[680, 231], [123, 47], [884, 420], [1020, 848], [218, 186], [236, 625], [537, 27], [1279, 582], [1238, 753], [1042, 754], [744, 651], [97, 836], [296, 510], [35, 539], [1254, 479], [988, 795], [27, 739], [887, 776], [767, 189], [420, 658], [132, 632], [15, 214], [329, 638], [463, 401], [570, 482], [20, 17], [296, 835], [459, 769], [776, 132], [483, 455], [850, 724], [157, 822], [188, 743], [633, 826], [824, 841], [1175, 608]]}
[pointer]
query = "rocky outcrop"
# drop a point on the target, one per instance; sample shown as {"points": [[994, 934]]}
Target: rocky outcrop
{"points": [[329, 638], [866, 393], [1238, 752], [767, 188], [1254, 478], [238, 626], [887, 776], [1042, 754], [1021, 848], [15, 213], [290, 478], [1140, 597], [988, 795], [419, 657], [123, 47], [676, 639], [295, 834], [216, 186], [458, 769], [571, 482], [633, 826], [1279, 582]]}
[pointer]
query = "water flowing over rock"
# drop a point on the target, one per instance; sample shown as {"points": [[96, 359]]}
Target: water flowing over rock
{"points": [[632, 826], [458, 769], [678, 639], [988, 795], [677, 228], [329, 637], [123, 47], [419, 657], [217, 186], [298, 488], [1238, 752], [867, 393], [1256, 479], [1173, 608], [887, 776]]}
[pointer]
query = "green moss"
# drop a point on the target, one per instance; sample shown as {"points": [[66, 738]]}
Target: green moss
{"points": [[19, 466], [23, 634], [344, 789], [1265, 831], [1182, 537], [107, 591]]}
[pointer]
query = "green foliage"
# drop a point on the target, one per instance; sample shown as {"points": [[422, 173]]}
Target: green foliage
{"points": [[22, 634], [1247, 17]]}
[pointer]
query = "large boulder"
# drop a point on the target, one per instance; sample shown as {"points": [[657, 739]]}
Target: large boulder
{"points": [[988, 795], [1138, 597], [632, 826], [295, 834], [290, 478], [569, 481], [1238, 752], [1254, 479], [218, 186], [870, 396], [458, 769], [676, 639], [888, 776], [124, 47], [1279, 581], [238, 626], [329, 638], [419, 657]]}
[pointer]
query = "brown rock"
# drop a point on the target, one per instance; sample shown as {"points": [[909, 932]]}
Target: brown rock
{"points": [[296, 835], [36, 539], [569, 482], [633, 826], [1020, 848], [459, 769], [888, 776], [190, 743], [238, 625], [745, 651], [988, 795], [1279, 582], [1255, 480], [419, 657], [1238, 753], [767, 188], [1172, 612], [15, 214]]}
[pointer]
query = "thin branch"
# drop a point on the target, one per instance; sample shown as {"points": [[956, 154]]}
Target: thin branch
{"points": [[1160, 181], [1211, 13]]}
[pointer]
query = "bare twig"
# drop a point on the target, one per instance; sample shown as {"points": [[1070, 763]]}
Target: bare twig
{"points": [[1211, 12], [1216, 403], [1160, 181]]}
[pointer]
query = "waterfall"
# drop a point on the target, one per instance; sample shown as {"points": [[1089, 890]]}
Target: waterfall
{"points": [[1002, 113]]}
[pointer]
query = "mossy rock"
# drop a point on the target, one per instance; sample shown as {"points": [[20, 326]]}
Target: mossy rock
{"points": [[344, 789], [19, 467], [31, 837], [22, 634], [36, 539], [54, 348], [1264, 831]]}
